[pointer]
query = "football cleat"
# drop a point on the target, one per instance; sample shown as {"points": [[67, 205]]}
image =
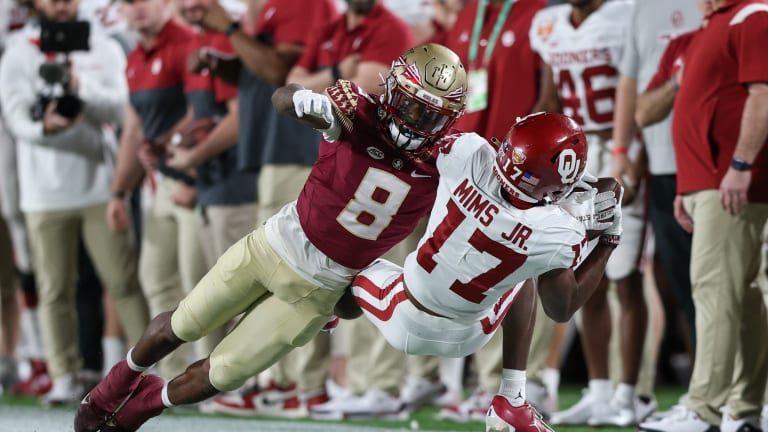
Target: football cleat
{"points": [[578, 414], [503, 417], [419, 391], [475, 408], [680, 420], [143, 404], [106, 398], [249, 402], [38, 383]]}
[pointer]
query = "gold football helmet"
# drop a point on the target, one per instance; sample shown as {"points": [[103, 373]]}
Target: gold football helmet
{"points": [[424, 94]]}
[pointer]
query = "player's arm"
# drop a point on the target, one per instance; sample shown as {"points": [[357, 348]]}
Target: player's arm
{"points": [[752, 136], [654, 105], [564, 291], [267, 62], [128, 171], [313, 109], [222, 137], [264, 61], [548, 100]]}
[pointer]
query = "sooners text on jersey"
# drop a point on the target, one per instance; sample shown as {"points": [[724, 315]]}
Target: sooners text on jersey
{"points": [[584, 59]]}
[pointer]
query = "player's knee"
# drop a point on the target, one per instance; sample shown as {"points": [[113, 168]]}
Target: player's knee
{"points": [[183, 327], [160, 328], [223, 376]]}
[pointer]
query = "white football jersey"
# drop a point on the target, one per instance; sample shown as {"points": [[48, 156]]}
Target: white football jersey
{"points": [[584, 59], [478, 246]]}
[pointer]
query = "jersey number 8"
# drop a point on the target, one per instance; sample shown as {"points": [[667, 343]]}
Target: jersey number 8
{"points": [[376, 200]]}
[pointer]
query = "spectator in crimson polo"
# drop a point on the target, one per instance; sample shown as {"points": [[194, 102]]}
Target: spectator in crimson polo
{"points": [[722, 172], [226, 196], [278, 148], [171, 260]]}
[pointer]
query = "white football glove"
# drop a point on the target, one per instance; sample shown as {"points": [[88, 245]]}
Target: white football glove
{"points": [[584, 181], [307, 102], [596, 211], [616, 229]]}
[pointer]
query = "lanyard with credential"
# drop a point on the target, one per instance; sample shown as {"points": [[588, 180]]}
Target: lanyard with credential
{"points": [[478, 28]]}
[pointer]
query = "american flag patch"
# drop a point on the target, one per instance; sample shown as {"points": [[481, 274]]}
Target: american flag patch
{"points": [[528, 178]]}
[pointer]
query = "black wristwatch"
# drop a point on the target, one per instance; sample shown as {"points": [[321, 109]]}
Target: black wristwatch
{"points": [[232, 27], [741, 165]]}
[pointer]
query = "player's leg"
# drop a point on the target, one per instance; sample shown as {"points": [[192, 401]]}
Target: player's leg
{"points": [[509, 409], [595, 334], [229, 288], [544, 362]]}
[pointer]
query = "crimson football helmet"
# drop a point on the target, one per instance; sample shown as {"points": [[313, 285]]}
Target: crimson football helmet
{"points": [[542, 156], [424, 94]]}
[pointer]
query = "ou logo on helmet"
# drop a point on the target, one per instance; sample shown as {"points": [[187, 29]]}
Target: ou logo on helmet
{"points": [[568, 166]]}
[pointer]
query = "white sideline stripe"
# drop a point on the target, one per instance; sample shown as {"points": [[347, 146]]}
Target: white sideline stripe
{"points": [[31, 419]]}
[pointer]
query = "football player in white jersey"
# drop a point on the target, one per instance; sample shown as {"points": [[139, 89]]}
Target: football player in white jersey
{"points": [[492, 228], [581, 43]]}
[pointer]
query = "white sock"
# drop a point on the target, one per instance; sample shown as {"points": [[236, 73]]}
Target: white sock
{"points": [[625, 395], [513, 386], [600, 389], [550, 377], [133, 366], [164, 395], [113, 349]]}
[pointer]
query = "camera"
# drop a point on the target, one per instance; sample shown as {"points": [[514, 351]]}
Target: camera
{"points": [[58, 40]]}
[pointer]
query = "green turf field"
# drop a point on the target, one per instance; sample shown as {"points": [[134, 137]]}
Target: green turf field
{"points": [[25, 415]]}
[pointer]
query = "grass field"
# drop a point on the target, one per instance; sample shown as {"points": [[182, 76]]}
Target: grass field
{"points": [[26, 415]]}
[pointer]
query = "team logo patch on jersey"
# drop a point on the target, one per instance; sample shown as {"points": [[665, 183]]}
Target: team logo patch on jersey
{"points": [[377, 154], [157, 65], [397, 164], [545, 29], [508, 38]]}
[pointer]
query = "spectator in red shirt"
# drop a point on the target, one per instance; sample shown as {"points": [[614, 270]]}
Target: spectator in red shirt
{"points": [[358, 46], [722, 168], [280, 150]]}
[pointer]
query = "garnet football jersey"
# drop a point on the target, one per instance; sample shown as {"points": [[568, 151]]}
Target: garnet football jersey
{"points": [[478, 246], [361, 198], [584, 59]]}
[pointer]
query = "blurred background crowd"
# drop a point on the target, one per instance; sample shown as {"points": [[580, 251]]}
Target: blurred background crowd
{"points": [[137, 148]]}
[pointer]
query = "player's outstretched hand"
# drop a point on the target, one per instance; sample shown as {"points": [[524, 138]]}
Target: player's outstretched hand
{"points": [[594, 202], [307, 102]]}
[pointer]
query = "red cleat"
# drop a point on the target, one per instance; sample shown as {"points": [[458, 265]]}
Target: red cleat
{"points": [[250, 402], [38, 383], [105, 399], [503, 417], [143, 404]]}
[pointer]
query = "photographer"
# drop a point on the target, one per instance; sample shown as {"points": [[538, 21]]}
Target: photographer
{"points": [[62, 92]]}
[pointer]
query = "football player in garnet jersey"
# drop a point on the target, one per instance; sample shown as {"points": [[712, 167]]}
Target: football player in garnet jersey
{"points": [[501, 218], [375, 178]]}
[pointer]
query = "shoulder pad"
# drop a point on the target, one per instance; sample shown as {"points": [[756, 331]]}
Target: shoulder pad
{"points": [[345, 97]]}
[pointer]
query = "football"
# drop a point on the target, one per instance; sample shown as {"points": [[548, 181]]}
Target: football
{"points": [[603, 184]]}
